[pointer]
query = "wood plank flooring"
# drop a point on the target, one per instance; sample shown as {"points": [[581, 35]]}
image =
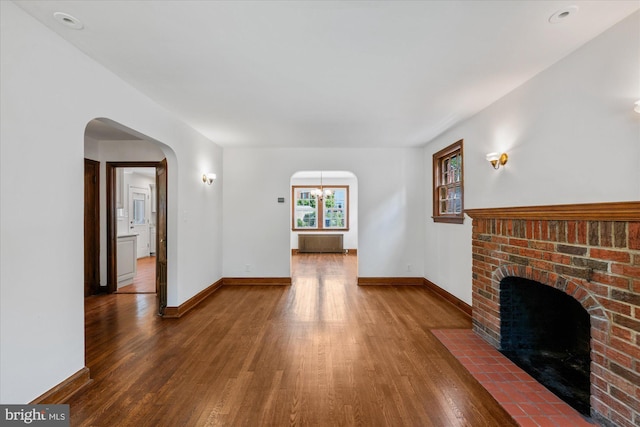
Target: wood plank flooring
{"points": [[145, 280], [320, 352]]}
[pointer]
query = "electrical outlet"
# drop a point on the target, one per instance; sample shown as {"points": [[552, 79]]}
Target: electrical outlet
{"points": [[408, 267], [247, 268]]}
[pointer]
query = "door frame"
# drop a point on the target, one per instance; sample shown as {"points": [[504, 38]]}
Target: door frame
{"points": [[92, 228], [161, 236], [112, 227]]}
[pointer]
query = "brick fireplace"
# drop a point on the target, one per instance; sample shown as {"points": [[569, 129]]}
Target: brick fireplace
{"points": [[590, 252]]}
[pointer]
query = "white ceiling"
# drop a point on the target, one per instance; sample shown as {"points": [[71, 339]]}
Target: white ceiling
{"points": [[327, 73]]}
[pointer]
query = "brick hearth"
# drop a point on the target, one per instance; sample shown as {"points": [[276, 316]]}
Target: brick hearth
{"points": [[590, 252]]}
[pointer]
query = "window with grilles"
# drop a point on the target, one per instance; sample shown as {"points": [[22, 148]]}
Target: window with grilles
{"points": [[448, 188], [316, 208]]}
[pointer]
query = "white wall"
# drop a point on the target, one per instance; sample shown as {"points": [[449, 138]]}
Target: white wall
{"points": [[572, 137], [49, 92], [390, 208], [350, 237]]}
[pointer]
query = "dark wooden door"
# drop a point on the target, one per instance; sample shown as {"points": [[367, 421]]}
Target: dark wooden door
{"points": [[112, 227], [91, 227], [161, 243]]}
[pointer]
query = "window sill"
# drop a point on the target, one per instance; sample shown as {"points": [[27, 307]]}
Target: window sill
{"points": [[449, 219], [313, 230]]}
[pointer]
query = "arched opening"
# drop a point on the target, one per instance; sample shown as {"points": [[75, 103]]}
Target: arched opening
{"points": [[117, 149], [324, 213]]}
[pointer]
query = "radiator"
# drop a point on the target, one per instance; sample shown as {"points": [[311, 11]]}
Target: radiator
{"points": [[320, 243]]}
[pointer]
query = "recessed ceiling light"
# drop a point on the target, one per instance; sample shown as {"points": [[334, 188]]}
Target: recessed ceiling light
{"points": [[563, 14], [68, 20]]}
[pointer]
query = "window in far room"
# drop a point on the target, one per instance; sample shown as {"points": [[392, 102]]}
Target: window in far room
{"points": [[316, 208], [448, 188]]}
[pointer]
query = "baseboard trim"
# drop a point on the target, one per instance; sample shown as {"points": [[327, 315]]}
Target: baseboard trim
{"points": [[345, 252], [390, 281], [458, 303], [256, 281], [67, 388], [177, 312], [182, 309], [185, 307]]}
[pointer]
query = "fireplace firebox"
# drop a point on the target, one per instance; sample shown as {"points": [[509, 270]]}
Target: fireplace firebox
{"points": [[546, 333]]}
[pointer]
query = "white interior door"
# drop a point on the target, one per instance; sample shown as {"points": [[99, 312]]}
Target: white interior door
{"points": [[139, 218]]}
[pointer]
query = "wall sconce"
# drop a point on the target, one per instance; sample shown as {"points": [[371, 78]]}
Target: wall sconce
{"points": [[636, 107], [497, 159], [208, 177]]}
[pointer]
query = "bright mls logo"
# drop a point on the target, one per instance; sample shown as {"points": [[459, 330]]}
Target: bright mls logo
{"points": [[34, 415]]}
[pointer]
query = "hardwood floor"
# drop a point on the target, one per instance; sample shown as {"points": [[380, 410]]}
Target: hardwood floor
{"points": [[320, 352], [145, 280]]}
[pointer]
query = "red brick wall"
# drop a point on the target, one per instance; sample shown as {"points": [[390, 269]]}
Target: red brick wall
{"points": [[596, 262]]}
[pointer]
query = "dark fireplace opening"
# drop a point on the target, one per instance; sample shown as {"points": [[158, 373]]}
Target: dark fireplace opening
{"points": [[547, 333]]}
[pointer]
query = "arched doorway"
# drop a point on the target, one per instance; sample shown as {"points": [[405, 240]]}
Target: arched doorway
{"points": [[114, 146], [324, 212]]}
